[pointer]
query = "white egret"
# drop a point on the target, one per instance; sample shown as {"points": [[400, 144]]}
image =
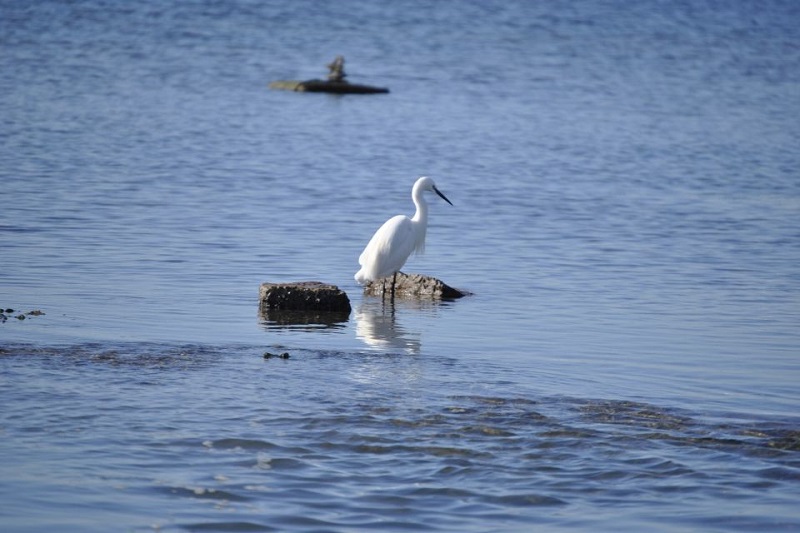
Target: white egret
{"points": [[390, 247]]}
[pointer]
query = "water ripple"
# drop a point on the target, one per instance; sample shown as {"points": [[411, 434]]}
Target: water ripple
{"points": [[386, 461]]}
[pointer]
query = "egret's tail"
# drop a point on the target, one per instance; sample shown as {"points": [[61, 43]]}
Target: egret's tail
{"points": [[361, 277]]}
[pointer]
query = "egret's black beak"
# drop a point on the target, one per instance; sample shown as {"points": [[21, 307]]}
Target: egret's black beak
{"points": [[437, 191]]}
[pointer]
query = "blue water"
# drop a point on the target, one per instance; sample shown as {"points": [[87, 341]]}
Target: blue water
{"points": [[626, 206]]}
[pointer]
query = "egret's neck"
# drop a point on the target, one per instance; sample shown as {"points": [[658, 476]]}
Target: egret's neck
{"points": [[422, 206], [420, 220]]}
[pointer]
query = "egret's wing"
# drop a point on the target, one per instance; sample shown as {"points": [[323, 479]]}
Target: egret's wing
{"points": [[389, 248]]}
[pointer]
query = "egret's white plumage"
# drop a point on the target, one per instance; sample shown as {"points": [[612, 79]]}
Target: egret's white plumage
{"points": [[392, 244]]}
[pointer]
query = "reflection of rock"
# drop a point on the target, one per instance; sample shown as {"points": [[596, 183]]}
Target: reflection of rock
{"points": [[376, 326], [278, 317], [305, 302], [411, 286]]}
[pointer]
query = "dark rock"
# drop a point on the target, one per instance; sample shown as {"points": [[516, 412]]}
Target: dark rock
{"points": [[413, 286], [326, 86], [7, 313], [311, 296], [270, 355], [339, 87], [335, 83]]}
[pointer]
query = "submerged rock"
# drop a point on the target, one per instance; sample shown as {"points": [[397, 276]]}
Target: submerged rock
{"points": [[413, 286], [6, 313], [270, 355], [302, 297]]}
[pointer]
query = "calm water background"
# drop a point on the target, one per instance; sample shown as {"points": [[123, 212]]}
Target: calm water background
{"points": [[627, 198]]}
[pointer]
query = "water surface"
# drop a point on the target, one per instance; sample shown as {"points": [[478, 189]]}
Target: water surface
{"points": [[626, 203]]}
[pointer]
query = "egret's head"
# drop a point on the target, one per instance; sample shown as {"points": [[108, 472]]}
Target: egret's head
{"points": [[427, 184]]}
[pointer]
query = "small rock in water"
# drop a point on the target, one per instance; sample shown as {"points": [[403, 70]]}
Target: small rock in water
{"points": [[413, 286], [303, 302], [270, 355], [303, 296], [6, 313]]}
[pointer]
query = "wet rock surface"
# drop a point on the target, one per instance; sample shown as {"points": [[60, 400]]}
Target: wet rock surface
{"points": [[302, 299], [413, 286]]}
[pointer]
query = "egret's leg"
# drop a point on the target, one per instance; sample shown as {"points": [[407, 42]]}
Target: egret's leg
{"points": [[394, 281]]}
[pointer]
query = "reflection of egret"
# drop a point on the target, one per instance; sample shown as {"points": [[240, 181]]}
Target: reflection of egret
{"points": [[392, 244], [377, 327]]}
